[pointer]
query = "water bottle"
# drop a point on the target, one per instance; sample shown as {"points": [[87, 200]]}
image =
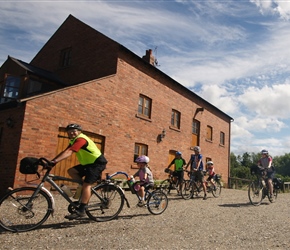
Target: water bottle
{"points": [[66, 190], [78, 192], [131, 180]]}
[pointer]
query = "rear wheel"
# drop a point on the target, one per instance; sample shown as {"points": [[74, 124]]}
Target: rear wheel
{"points": [[19, 212], [186, 190], [105, 203], [166, 186], [157, 202], [275, 195], [255, 193]]}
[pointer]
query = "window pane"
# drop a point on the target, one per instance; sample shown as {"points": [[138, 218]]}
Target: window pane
{"points": [[12, 85]]}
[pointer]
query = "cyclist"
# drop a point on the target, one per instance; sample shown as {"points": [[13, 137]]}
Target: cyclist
{"points": [[145, 176], [265, 163], [178, 162], [92, 164], [196, 166], [211, 173]]}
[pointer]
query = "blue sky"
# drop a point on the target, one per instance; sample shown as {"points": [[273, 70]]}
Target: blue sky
{"points": [[235, 54]]}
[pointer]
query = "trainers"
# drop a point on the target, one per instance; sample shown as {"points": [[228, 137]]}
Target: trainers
{"points": [[141, 203], [76, 215]]}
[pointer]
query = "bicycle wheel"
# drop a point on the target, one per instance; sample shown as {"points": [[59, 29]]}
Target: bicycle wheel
{"points": [[186, 190], [105, 203], [19, 212], [255, 193], [157, 202], [217, 190], [275, 195], [166, 186]]}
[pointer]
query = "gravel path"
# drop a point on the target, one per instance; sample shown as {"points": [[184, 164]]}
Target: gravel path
{"points": [[227, 222]]}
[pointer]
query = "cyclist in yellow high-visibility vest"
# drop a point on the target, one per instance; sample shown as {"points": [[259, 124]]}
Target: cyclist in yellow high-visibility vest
{"points": [[178, 162], [92, 164]]}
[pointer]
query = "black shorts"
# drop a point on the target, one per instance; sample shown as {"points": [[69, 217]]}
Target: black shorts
{"points": [[91, 172], [179, 175]]}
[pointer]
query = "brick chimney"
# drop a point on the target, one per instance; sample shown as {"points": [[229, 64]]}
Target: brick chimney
{"points": [[149, 57]]}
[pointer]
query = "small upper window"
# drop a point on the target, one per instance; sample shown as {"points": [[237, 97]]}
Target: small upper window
{"points": [[175, 119], [65, 57], [222, 138], [209, 133], [12, 85], [144, 106]]}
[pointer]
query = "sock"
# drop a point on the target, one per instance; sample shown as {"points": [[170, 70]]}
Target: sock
{"points": [[82, 207]]}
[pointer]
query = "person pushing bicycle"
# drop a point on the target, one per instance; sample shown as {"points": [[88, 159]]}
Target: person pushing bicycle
{"points": [[92, 164], [196, 167], [178, 162]]}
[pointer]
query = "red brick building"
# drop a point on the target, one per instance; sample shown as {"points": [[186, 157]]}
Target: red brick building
{"points": [[127, 105]]}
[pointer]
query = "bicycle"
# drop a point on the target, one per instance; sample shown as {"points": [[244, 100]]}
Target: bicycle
{"points": [[171, 183], [26, 208], [192, 187], [259, 189]]}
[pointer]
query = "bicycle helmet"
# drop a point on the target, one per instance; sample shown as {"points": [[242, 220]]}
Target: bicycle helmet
{"points": [[142, 159], [196, 148], [178, 153], [209, 163], [264, 152], [73, 126]]}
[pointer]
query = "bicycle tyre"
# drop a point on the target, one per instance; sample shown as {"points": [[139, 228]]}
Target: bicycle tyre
{"points": [[157, 202], [275, 195], [166, 186], [106, 202], [255, 193], [218, 189], [16, 216], [186, 190]]}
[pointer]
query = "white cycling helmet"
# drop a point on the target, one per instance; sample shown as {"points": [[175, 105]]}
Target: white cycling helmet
{"points": [[142, 159], [196, 148], [209, 163]]}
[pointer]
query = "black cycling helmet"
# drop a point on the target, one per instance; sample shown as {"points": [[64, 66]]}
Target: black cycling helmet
{"points": [[73, 126]]}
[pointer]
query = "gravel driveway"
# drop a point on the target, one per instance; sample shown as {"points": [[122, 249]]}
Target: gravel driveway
{"points": [[227, 222]]}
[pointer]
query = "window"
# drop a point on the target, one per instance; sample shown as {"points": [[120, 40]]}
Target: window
{"points": [[144, 106], [11, 88], [195, 127], [209, 133], [65, 57], [175, 119], [222, 138], [33, 87], [140, 149]]}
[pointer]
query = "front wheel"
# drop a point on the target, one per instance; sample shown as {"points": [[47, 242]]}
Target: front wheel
{"points": [[22, 210], [216, 191], [106, 202], [255, 193], [157, 202]]}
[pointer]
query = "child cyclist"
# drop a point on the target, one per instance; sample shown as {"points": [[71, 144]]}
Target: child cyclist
{"points": [[211, 173], [145, 176]]}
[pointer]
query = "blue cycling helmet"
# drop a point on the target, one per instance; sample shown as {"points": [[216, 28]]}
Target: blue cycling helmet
{"points": [[178, 153]]}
